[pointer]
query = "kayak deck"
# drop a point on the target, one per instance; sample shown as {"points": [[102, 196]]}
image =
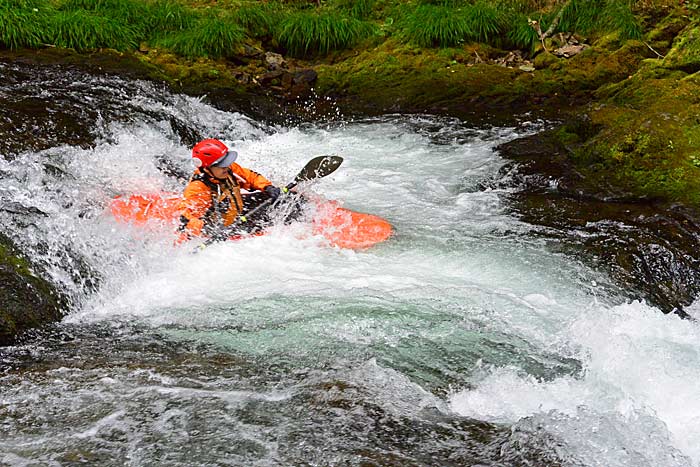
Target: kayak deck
{"points": [[342, 227]]}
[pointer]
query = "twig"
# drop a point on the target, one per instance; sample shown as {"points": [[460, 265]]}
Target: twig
{"points": [[652, 49], [552, 27], [555, 23], [536, 26]]}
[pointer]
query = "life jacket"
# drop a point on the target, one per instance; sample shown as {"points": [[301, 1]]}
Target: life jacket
{"points": [[226, 199], [209, 203]]}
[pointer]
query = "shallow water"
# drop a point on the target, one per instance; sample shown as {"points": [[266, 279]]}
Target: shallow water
{"points": [[463, 340]]}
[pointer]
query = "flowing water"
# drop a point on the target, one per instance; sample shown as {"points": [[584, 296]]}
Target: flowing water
{"points": [[463, 340]]}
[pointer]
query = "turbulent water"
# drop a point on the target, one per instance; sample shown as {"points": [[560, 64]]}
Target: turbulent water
{"points": [[463, 340]]}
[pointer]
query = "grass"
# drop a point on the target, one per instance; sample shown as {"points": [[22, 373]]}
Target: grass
{"points": [[360, 9], [166, 16], [83, 31], [211, 37], [149, 18], [442, 26], [445, 3], [307, 33], [258, 19], [125, 12], [619, 17], [525, 6], [485, 21], [204, 28], [520, 34], [434, 26], [600, 17], [22, 22]]}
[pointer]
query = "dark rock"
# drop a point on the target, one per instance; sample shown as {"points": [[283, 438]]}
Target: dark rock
{"points": [[649, 249], [271, 78], [252, 52], [26, 300], [302, 83], [292, 85], [569, 50]]}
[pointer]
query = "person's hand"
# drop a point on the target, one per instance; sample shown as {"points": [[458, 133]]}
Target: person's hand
{"points": [[272, 192]]}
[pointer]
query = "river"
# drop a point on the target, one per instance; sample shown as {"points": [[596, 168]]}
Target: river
{"points": [[466, 339]]}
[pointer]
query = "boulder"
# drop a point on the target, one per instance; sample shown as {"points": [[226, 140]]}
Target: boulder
{"points": [[275, 61], [26, 300]]}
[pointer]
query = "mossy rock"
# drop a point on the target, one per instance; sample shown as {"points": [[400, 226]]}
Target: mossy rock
{"points": [[26, 300], [394, 77], [666, 30], [547, 60], [647, 139], [648, 130], [685, 54]]}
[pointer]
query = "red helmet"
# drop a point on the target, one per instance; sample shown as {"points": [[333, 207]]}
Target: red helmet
{"points": [[212, 152]]}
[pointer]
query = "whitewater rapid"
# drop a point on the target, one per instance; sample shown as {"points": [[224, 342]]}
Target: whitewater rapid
{"points": [[466, 313]]}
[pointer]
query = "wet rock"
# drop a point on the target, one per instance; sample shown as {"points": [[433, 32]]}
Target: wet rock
{"points": [[243, 78], [249, 51], [292, 84], [302, 82], [26, 300], [649, 249], [513, 59], [272, 78]]}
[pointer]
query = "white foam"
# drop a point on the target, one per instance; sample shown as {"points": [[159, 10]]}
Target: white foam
{"points": [[637, 363]]}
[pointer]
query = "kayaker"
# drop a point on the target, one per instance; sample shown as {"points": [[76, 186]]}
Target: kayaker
{"points": [[212, 199]]}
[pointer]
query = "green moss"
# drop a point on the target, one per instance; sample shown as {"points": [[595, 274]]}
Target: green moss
{"points": [[26, 301], [547, 60], [685, 54], [8, 257], [666, 30], [394, 75], [649, 132], [194, 75]]}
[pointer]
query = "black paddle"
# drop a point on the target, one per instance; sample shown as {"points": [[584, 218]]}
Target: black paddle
{"points": [[316, 168]]}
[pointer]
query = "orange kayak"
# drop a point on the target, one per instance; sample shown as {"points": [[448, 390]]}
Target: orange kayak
{"points": [[341, 227]]}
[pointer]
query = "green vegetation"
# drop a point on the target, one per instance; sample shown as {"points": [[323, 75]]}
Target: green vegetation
{"points": [[210, 37], [600, 16], [21, 24], [82, 31], [433, 25], [198, 28], [259, 20], [648, 134], [309, 32], [521, 35]]}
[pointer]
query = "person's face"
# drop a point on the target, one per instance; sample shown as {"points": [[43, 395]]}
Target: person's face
{"points": [[219, 172]]}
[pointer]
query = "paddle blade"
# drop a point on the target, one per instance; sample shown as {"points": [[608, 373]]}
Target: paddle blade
{"points": [[318, 167]]}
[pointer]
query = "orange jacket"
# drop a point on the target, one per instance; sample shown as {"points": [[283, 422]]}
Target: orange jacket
{"points": [[210, 201]]}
